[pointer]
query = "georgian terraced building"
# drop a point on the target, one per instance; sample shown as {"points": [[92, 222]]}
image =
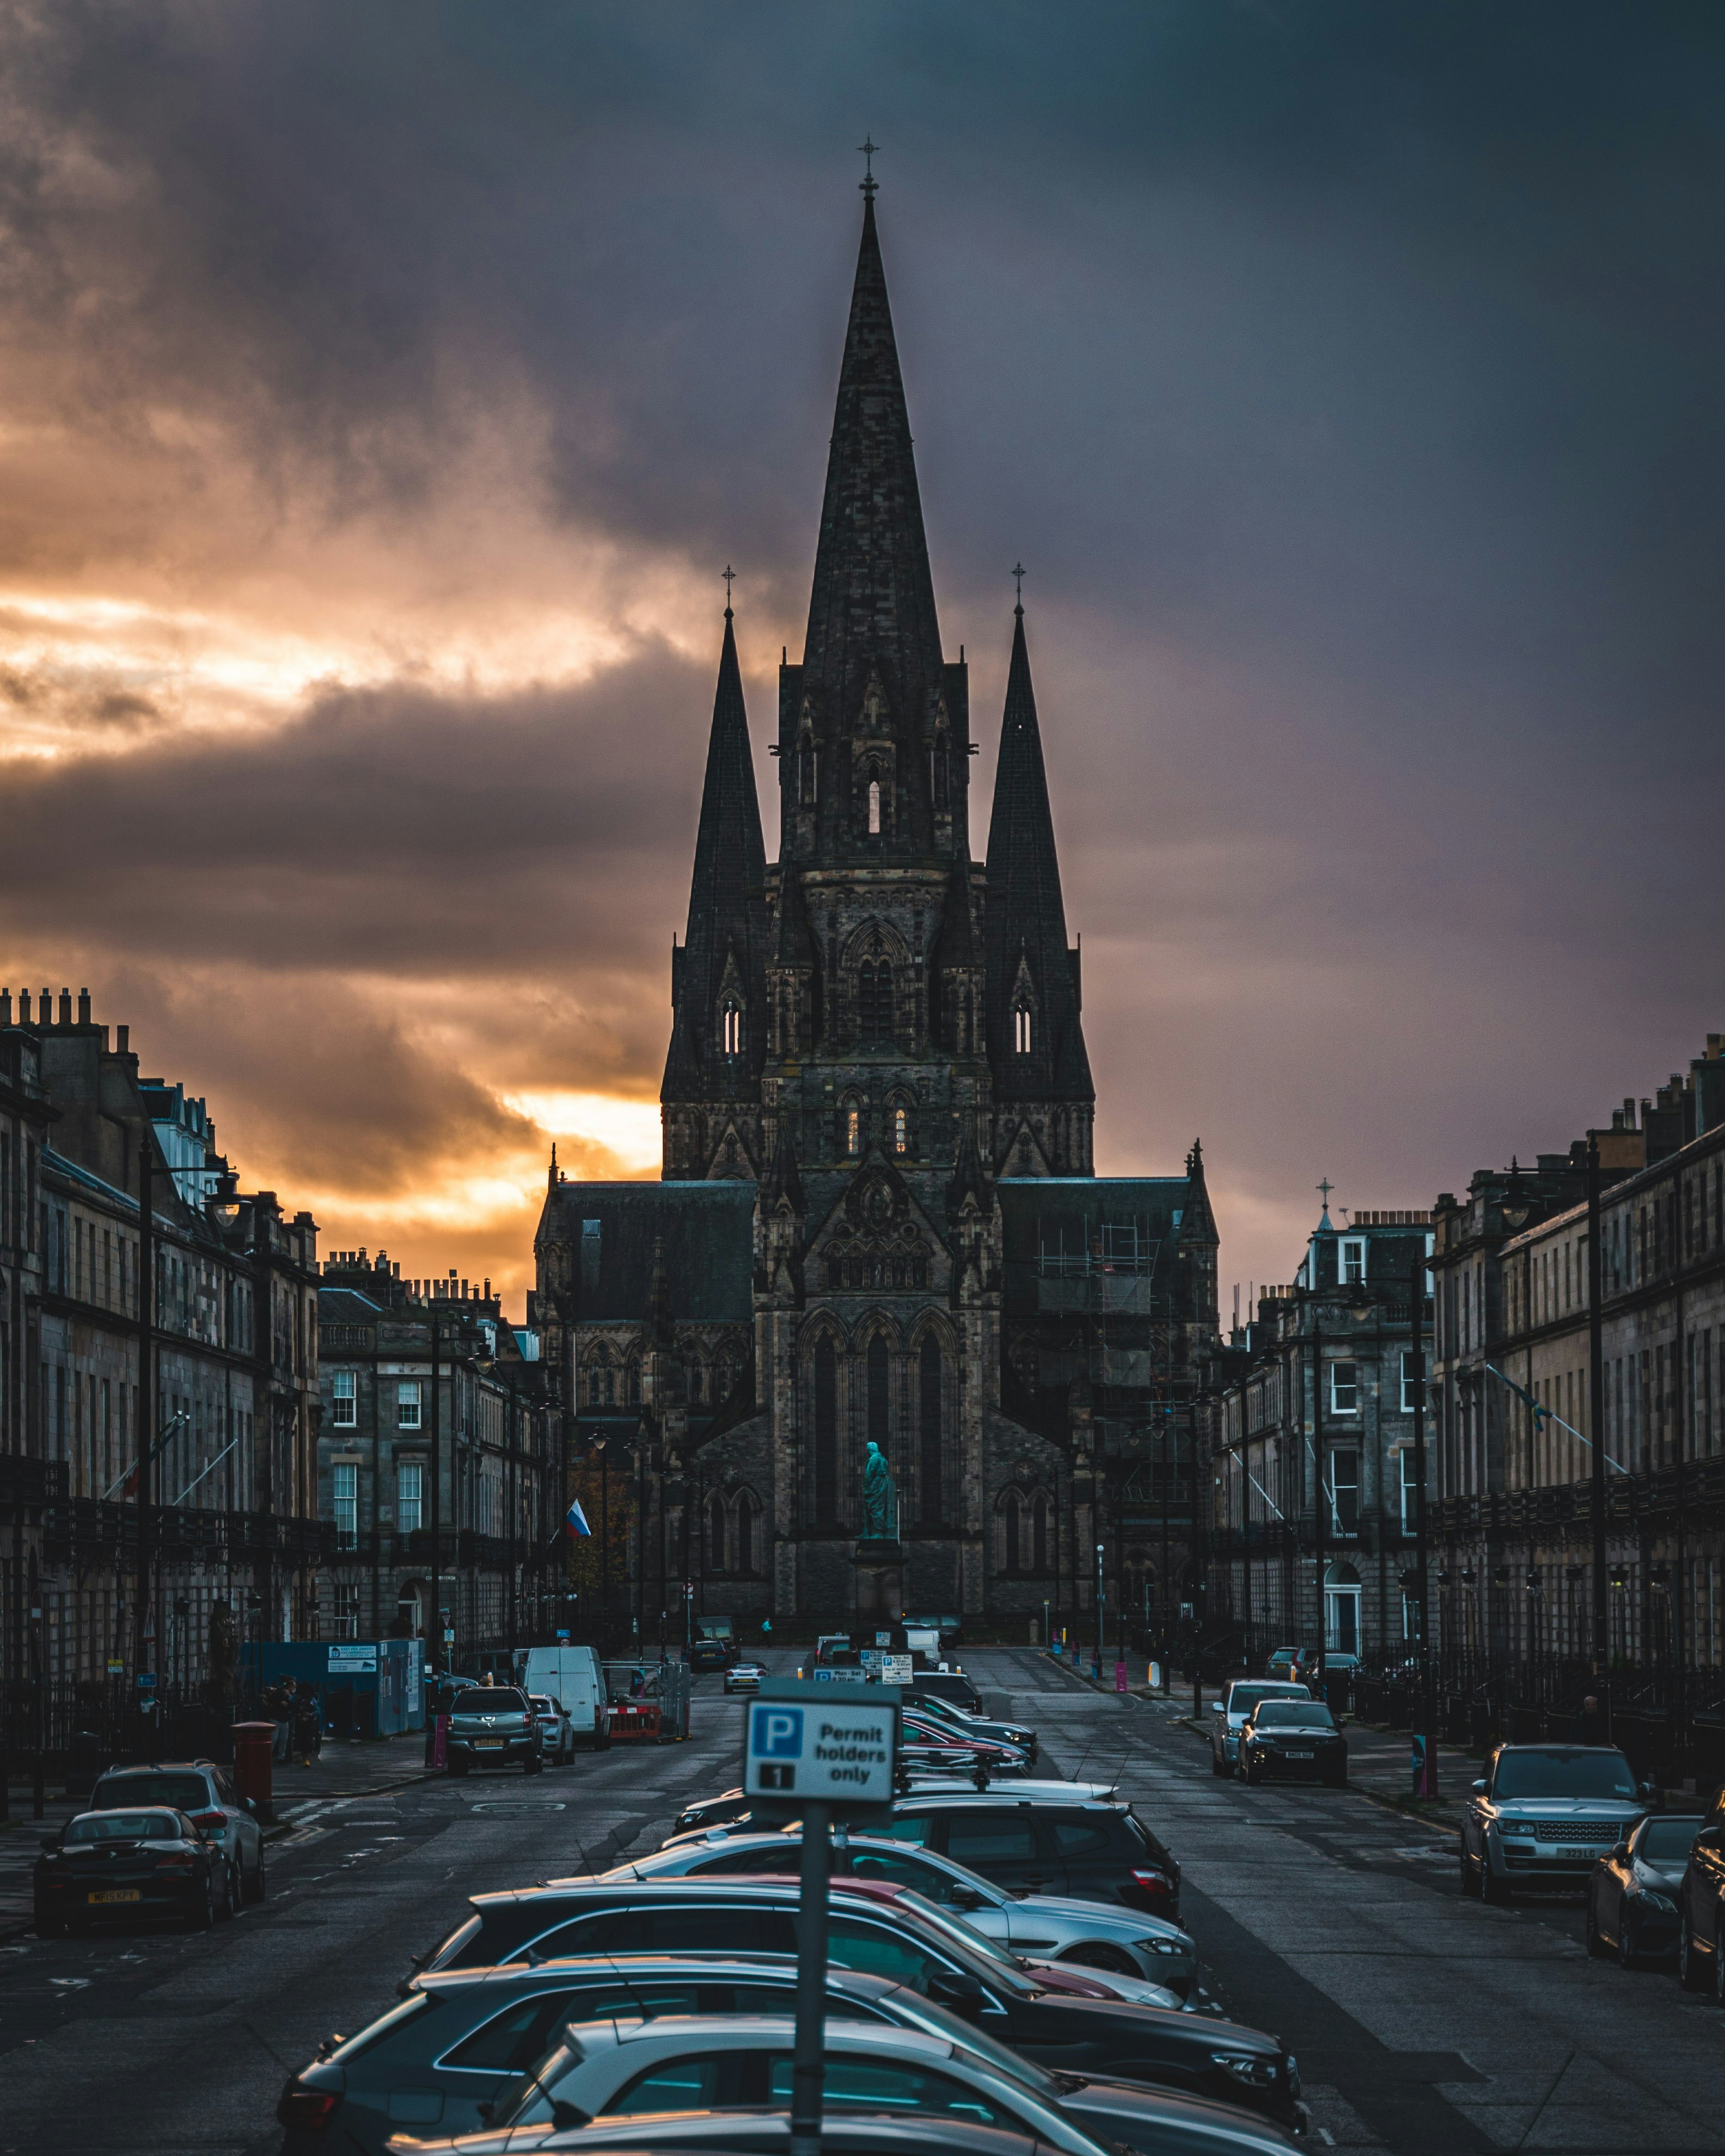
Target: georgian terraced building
{"points": [[879, 1217]]}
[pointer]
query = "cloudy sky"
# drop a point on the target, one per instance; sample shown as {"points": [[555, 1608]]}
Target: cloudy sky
{"points": [[382, 390]]}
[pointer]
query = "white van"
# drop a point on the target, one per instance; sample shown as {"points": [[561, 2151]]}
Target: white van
{"points": [[573, 1676]]}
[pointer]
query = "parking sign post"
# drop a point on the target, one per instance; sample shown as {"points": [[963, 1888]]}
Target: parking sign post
{"points": [[817, 1751]]}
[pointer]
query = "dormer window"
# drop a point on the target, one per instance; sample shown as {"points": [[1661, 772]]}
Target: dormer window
{"points": [[732, 1030], [1021, 1030], [874, 808], [1354, 1261]]}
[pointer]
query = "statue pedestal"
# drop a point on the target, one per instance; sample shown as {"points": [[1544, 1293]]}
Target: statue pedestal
{"points": [[879, 1562]]}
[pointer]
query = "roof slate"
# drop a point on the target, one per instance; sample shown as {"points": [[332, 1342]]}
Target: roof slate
{"points": [[707, 1230]]}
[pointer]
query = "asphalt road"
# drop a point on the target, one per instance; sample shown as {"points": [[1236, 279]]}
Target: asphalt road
{"points": [[1425, 2024]]}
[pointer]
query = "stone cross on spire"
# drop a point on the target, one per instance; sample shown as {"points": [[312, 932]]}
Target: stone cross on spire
{"points": [[869, 183]]}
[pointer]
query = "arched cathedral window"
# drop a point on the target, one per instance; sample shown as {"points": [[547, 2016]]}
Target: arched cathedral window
{"points": [[1021, 1030], [715, 1536], [826, 1431], [1039, 1533], [1012, 1534], [850, 1129], [874, 808], [873, 1000], [928, 1430], [880, 1371], [745, 1533], [902, 1130], [732, 1030]]}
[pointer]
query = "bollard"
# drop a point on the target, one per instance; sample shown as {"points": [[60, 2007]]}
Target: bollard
{"points": [[1198, 1699]]}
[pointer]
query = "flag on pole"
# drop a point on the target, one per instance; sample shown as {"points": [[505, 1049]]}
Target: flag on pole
{"points": [[575, 1520]]}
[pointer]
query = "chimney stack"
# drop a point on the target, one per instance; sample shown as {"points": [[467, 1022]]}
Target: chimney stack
{"points": [[5, 1006], [122, 1035], [65, 1006], [83, 1007]]}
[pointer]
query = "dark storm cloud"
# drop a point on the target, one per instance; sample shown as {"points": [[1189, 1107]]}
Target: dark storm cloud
{"points": [[1347, 375]]}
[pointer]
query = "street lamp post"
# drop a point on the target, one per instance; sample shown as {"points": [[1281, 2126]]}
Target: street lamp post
{"points": [[1427, 1783], [1596, 1405], [1317, 1494], [1099, 1612]]}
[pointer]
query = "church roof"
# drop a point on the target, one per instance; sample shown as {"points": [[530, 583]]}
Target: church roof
{"points": [[872, 625], [706, 1231], [1025, 923], [727, 912]]}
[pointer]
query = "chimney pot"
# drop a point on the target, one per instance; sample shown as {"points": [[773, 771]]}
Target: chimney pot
{"points": [[44, 1015], [83, 1007]]}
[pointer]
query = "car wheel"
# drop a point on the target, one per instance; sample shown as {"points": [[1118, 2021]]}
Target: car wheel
{"points": [[1097, 1953], [230, 1893], [1470, 1874], [203, 1917], [536, 1765], [49, 1927], [1492, 1889], [1596, 1945], [1218, 1766], [1690, 1973], [1249, 1773], [255, 1889]]}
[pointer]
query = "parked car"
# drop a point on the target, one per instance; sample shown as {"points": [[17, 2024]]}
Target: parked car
{"points": [[575, 1678], [744, 1676], [951, 1686], [705, 1655], [492, 1726], [557, 1732], [1087, 1934], [124, 1864], [631, 2069], [1632, 1896], [878, 1928], [1701, 1907], [1232, 1709], [919, 1725], [1281, 1662], [205, 1792], [1292, 1740], [963, 1722], [1049, 1841], [1544, 1815], [458, 2057]]}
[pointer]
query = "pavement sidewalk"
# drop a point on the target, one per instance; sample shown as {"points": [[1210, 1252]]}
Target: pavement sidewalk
{"points": [[360, 1768]]}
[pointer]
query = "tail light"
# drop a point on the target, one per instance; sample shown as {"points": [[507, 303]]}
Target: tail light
{"points": [[217, 1818], [184, 1866], [1152, 1883], [306, 2110]]}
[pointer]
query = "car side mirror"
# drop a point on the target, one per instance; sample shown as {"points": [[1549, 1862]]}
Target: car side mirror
{"points": [[957, 1989], [966, 1897], [1479, 1789]]}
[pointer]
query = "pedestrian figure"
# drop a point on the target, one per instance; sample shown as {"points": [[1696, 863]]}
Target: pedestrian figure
{"points": [[1589, 1727], [308, 1726]]}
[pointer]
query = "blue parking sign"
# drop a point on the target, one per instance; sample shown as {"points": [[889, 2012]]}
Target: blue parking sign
{"points": [[779, 1733]]}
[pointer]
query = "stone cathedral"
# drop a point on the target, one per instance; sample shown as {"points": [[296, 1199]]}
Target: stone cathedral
{"points": [[879, 1221]]}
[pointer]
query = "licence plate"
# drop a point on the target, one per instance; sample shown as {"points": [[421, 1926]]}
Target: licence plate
{"points": [[1299, 1755], [118, 1894], [488, 1743]]}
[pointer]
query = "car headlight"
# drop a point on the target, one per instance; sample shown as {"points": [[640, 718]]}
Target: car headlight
{"points": [[1161, 1946], [1662, 1902], [1250, 2068]]}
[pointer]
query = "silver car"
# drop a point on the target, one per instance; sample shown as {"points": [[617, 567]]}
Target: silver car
{"points": [[1038, 1927], [206, 1794], [1232, 1711], [1544, 1815], [622, 2070]]}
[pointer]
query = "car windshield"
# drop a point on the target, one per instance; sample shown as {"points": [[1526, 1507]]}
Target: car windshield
{"points": [[1667, 1841], [489, 1699], [182, 1793], [125, 1826], [960, 1939], [1290, 1714], [1242, 1698], [1589, 1771]]}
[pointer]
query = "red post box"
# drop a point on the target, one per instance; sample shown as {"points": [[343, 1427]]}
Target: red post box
{"points": [[253, 1747]]}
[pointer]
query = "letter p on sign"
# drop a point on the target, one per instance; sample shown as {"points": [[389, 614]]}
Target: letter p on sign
{"points": [[775, 1748]]}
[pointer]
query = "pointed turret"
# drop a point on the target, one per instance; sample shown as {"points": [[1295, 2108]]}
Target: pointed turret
{"points": [[1197, 1246], [1035, 1038], [970, 1178], [718, 983], [872, 725], [781, 1184]]}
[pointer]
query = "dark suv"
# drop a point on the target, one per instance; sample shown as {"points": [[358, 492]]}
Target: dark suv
{"points": [[1099, 1851]]}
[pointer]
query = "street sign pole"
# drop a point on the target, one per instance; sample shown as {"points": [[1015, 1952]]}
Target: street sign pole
{"points": [[807, 2070], [817, 1752]]}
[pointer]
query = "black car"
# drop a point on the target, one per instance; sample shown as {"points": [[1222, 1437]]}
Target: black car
{"points": [[707, 1654], [1291, 1740], [1701, 1907], [722, 1810], [874, 1929], [1632, 1896], [1098, 1850], [951, 1686], [106, 1865]]}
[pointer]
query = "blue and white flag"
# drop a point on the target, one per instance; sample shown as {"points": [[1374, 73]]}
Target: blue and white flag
{"points": [[575, 1520]]}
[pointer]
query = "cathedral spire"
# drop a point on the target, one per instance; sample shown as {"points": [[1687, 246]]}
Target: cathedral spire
{"points": [[871, 696], [718, 987], [1035, 1038]]}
